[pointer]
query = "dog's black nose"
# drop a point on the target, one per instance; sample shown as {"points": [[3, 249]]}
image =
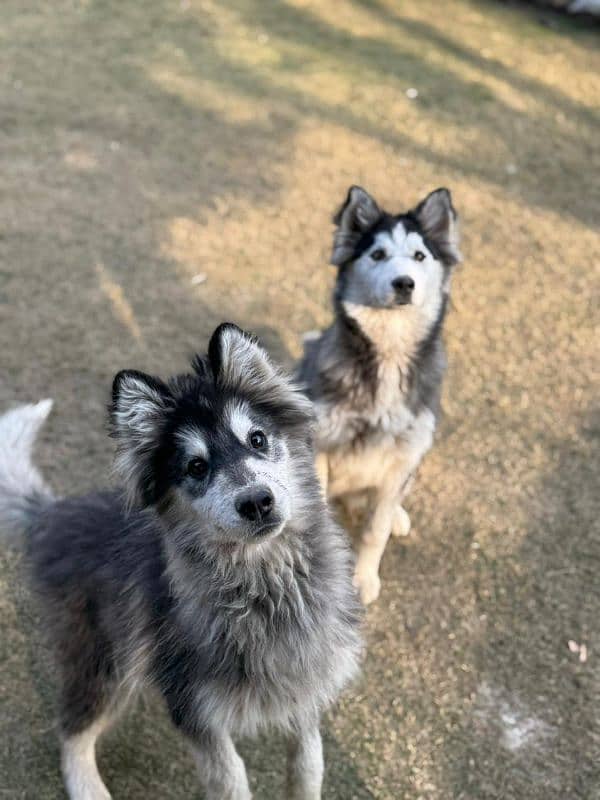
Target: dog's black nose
{"points": [[255, 505], [403, 286]]}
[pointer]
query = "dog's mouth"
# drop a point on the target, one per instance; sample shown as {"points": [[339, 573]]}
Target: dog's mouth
{"points": [[264, 530], [395, 301]]}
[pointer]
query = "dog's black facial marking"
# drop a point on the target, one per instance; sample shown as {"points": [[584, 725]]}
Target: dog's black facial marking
{"points": [[385, 223], [168, 462], [432, 219], [201, 411], [411, 225], [148, 415], [230, 454]]}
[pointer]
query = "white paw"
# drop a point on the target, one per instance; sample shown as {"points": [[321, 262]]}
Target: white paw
{"points": [[95, 791], [367, 582], [310, 336], [401, 522]]}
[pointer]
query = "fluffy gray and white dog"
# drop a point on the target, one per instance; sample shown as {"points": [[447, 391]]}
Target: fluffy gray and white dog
{"points": [[375, 374], [218, 577]]}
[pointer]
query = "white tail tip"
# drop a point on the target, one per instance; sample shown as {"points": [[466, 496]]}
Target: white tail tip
{"points": [[19, 426]]}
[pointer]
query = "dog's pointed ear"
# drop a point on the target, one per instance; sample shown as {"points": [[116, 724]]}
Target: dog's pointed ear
{"points": [[138, 400], [358, 213], [439, 223], [139, 407], [240, 364]]}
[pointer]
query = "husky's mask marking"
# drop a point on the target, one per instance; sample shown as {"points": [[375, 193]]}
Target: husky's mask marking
{"points": [[375, 375], [211, 444], [219, 577], [388, 260]]}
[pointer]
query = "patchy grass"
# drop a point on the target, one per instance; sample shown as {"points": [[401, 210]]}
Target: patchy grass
{"points": [[145, 143]]}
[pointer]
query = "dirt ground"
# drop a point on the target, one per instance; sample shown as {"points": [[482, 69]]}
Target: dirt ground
{"points": [[168, 165]]}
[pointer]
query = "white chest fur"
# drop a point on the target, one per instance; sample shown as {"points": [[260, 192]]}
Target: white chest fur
{"points": [[395, 439], [395, 334], [389, 413], [368, 464]]}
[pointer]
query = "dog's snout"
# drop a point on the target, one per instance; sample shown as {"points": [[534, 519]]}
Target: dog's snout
{"points": [[256, 504], [403, 285]]}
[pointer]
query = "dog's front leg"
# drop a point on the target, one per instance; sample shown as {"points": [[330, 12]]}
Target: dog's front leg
{"points": [[221, 770], [401, 521], [374, 540], [305, 769], [322, 467]]}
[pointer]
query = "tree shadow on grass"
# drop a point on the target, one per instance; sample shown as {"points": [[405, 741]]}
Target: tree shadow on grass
{"points": [[568, 143], [552, 96]]}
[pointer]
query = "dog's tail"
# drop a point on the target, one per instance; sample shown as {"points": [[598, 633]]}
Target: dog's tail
{"points": [[23, 492]]}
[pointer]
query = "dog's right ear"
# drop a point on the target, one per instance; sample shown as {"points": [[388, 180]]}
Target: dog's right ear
{"points": [[240, 364], [438, 220], [358, 213], [138, 410]]}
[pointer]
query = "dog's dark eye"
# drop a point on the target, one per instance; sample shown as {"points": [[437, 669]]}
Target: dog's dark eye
{"points": [[258, 440], [378, 255], [419, 256], [197, 468]]}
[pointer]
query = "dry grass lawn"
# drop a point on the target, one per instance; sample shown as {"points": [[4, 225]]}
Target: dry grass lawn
{"points": [[146, 143]]}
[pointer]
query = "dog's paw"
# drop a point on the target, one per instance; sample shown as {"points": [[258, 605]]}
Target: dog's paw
{"points": [[401, 522], [368, 584], [311, 336]]}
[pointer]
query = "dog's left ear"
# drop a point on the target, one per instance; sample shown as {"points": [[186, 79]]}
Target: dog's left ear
{"points": [[139, 408], [439, 223], [358, 213], [240, 364]]}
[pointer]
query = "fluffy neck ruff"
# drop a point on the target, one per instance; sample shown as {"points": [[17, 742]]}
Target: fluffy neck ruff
{"points": [[265, 579], [376, 339], [395, 334], [240, 576]]}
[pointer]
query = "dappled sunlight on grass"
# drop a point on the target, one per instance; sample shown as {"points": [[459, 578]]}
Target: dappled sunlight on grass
{"points": [[474, 110], [233, 107], [170, 165]]}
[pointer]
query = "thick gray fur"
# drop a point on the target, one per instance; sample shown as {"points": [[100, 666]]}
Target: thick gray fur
{"points": [[239, 628]]}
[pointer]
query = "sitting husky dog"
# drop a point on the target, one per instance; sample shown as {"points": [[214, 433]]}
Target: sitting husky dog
{"points": [[221, 579], [375, 375]]}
